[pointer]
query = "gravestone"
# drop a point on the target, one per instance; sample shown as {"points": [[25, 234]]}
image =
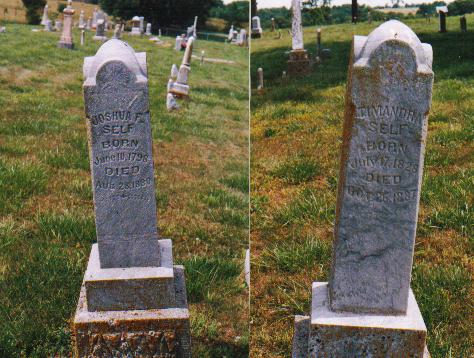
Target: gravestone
{"points": [[443, 12], [318, 45], [148, 29], [174, 72], [45, 18], [49, 26], [260, 79], [83, 36], [177, 45], [142, 25], [100, 31], [58, 26], [132, 300], [180, 87], [89, 24], [463, 23], [94, 19], [118, 31], [202, 57], [82, 23], [256, 31], [135, 26], [231, 33], [273, 25], [242, 39], [299, 63], [368, 309], [66, 37]]}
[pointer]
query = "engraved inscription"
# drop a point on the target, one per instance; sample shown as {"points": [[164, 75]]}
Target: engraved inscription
{"points": [[152, 344]]}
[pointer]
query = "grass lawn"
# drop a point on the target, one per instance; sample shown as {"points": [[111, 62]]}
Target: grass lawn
{"points": [[296, 132], [46, 209]]}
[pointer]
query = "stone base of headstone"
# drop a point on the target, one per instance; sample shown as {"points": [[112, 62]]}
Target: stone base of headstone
{"points": [[100, 38], [179, 89], [299, 63], [138, 311], [256, 34], [341, 334], [66, 45], [135, 31]]}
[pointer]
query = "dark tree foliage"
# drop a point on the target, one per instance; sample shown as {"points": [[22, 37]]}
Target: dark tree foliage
{"points": [[429, 8], [233, 13], [461, 7], [161, 13], [34, 10]]}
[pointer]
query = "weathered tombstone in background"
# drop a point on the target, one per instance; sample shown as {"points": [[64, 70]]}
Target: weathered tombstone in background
{"points": [[58, 25], [368, 308], [180, 88], [177, 45], [256, 31], [133, 300], [83, 36], [231, 33], [82, 23], [89, 24], [243, 39], [260, 79], [318, 44], [174, 72], [463, 23], [443, 12], [148, 29], [49, 26], [100, 31], [142, 25], [299, 62], [94, 19], [273, 25], [118, 31], [66, 37], [369, 17], [45, 17], [135, 26]]}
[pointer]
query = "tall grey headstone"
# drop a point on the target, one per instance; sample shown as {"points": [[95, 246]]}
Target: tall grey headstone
{"points": [[136, 26], [367, 308], [299, 63], [180, 88], [133, 300], [45, 18], [256, 30], [100, 31], [148, 29], [66, 40]]}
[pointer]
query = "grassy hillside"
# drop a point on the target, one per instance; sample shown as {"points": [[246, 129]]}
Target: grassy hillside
{"points": [[46, 210], [296, 132], [15, 11]]}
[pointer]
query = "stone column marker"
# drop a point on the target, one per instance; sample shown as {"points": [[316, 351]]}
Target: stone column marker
{"points": [[256, 31], [66, 37], [368, 308], [133, 300], [260, 79], [299, 63], [180, 88], [100, 31], [45, 17]]}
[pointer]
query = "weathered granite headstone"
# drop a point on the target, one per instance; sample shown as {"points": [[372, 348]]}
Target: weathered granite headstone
{"points": [[369, 17], [94, 19], [148, 29], [89, 24], [133, 300], [231, 33], [256, 31], [66, 37], [45, 18], [299, 62], [273, 25], [100, 31], [463, 23], [58, 25], [368, 309], [159, 32], [142, 25], [443, 12], [242, 39], [171, 102], [49, 26], [174, 72], [180, 88], [82, 23], [260, 79], [202, 57], [118, 31], [83, 36], [177, 45], [135, 26]]}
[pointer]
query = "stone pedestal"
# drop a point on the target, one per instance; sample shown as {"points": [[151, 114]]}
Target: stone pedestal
{"points": [[340, 334], [299, 63], [140, 311]]}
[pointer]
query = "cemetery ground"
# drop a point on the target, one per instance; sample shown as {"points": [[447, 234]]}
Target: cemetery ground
{"points": [[296, 132], [47, 224]]}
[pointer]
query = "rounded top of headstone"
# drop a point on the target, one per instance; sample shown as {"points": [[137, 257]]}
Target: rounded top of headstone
{"points": [[394, 30], [114, 50], [135, 18]]}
